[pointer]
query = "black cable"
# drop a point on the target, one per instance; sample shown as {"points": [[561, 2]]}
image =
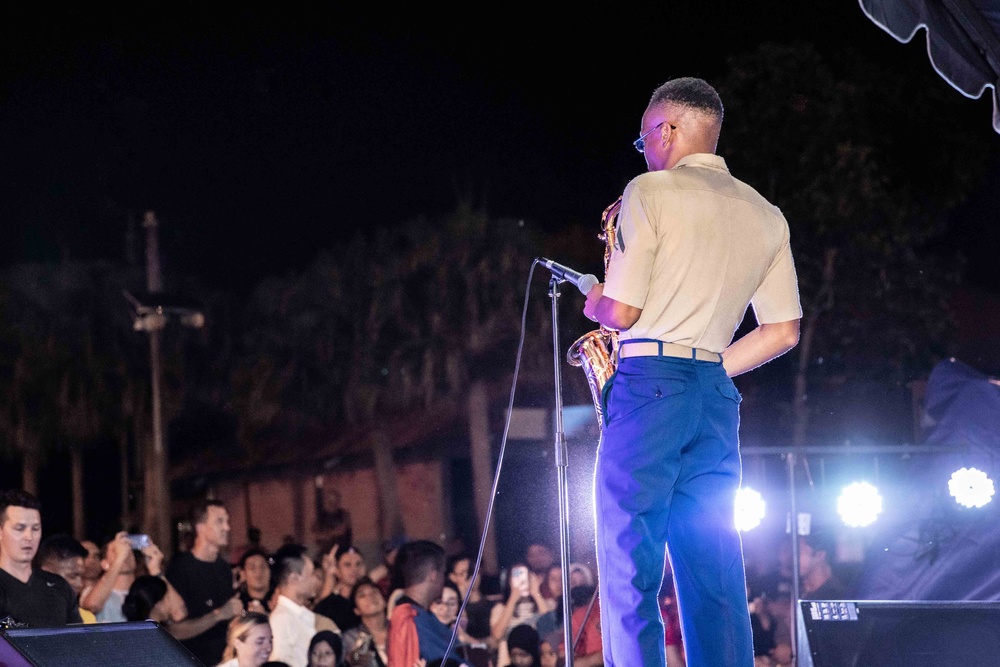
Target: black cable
{"points": [[496, 476]]}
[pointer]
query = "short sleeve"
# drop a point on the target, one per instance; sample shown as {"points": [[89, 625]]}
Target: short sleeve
{"points": [[777, 297], [631, 262]]}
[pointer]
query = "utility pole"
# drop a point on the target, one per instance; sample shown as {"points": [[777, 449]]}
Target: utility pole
{"points": [[156, 508], [150, 313]]}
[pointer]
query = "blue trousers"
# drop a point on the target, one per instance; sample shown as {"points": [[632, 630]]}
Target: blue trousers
{"points": [[668, 468]]}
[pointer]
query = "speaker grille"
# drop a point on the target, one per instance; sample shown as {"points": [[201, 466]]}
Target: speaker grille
{"points": [[143, 644]]}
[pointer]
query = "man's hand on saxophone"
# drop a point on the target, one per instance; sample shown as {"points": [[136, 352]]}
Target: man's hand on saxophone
{"points": [[608, 312]]}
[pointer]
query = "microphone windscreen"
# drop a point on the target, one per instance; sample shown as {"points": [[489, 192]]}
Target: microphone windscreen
{"points": [[587, 283]]}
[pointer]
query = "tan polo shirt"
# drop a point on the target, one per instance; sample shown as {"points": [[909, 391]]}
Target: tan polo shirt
{"points": [[694, 247]]}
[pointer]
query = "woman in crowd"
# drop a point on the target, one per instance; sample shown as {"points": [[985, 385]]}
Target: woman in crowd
{"points": [[248, 641], [549, 623], [365, 644], [325, 649], [524, 604], [446, 608]]}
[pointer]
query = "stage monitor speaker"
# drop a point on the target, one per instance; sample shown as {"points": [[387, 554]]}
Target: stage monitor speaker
{"points": [[877, 633], [142, 644]]}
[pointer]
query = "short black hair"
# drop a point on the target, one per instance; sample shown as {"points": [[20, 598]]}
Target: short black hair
{"points": [[17, 498], [690, 92], [416, 560], [250, 553], [526, 638], [199, 512], [59, 548], [358, 585], [289, 559]]}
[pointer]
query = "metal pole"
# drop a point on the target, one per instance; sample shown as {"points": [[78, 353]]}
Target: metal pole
{"points": [[794, 530], [562, 461]]}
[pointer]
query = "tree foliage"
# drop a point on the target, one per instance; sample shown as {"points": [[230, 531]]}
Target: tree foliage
{"points": [[394, 320], [865, 166]]}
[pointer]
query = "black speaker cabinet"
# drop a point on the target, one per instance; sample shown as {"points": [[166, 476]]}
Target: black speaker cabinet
{"points": [[142, 644], [870, 633]]}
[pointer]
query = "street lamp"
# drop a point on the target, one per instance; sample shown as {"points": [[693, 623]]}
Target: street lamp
{"points": [[150, 312]]}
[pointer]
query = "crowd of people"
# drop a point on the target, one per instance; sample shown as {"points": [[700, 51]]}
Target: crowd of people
{"points": [[293, 608]]}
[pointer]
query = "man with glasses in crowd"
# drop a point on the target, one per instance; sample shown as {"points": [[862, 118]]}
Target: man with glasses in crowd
{"points": [[694, 247]]}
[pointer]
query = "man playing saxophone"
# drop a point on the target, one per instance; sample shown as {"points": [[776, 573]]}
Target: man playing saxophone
{"points": [[694, 247]]}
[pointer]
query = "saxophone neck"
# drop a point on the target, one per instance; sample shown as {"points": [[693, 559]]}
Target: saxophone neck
{"points": [[611, 211]]}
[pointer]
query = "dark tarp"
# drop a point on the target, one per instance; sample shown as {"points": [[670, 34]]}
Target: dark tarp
{"points": [[963, 39], [941, 550]]}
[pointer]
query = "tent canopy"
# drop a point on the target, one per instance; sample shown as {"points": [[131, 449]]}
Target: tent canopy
{"points": [[963, 39]]}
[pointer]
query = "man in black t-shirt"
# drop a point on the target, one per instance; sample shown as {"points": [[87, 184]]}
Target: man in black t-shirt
{"points": [[205, 581], [350, 566], [29, 596]]}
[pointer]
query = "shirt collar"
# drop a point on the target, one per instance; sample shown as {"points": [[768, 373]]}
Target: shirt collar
{"points": [[293, 607], [709, 160]]}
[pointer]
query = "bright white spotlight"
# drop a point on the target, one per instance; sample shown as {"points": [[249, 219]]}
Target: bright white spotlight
{"points": [[971, 487], [859, 504], [749, 509]]}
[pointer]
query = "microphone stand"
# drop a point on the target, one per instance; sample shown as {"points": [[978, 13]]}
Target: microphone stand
{"points": [[562, 461]]}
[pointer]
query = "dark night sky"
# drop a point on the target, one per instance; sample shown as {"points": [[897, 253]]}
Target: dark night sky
{"points": [[259, 138]]}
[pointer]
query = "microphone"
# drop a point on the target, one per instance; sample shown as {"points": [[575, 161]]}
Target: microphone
{"points": [[583, 282]]}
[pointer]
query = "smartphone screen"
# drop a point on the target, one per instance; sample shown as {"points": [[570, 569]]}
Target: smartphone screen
{"points": [[139, 542], [519, 579]]}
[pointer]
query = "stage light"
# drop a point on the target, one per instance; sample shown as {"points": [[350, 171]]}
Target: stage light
{"points": [[971, 487], [859, 504], [749, 509]]}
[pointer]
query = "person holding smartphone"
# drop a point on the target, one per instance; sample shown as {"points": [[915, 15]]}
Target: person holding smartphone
{"points": [[121, 568], [523, 606]]}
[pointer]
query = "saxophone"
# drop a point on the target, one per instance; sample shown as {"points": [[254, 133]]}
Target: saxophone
{"points": [[597, 351]]}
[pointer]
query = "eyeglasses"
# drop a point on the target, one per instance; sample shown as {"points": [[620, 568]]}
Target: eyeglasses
{"points": [[640, 143]]}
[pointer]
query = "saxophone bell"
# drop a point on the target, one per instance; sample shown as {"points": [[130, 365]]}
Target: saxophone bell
{"points": [[590, 352]]}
